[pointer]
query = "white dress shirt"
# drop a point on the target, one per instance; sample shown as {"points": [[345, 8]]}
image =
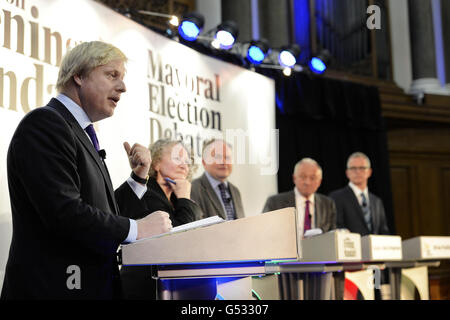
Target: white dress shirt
{"points": [[215, 185], [300, 205], [357, 191], [83, 120]]}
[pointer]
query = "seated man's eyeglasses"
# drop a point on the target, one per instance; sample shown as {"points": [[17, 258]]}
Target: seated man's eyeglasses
{"points": [[358, 168]]}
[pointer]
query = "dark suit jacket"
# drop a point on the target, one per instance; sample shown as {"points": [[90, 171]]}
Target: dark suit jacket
{"points": [[204, 195], [324, 208], [181, 211], [136, 280], [63, 211], [350, 215]]}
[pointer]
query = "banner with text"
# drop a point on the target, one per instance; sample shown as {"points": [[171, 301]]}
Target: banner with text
{"points": [[172, 92]]}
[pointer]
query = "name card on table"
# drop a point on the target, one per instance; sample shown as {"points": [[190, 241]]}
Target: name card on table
{"points": [[333, 246], [426, 248], [381, 248]]}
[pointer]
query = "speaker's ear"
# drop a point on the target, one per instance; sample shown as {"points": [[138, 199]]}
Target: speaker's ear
{"points": [[78, 79]]}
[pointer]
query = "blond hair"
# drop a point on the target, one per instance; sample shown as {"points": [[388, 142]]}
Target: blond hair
{"points": [[84, 58], [157, 150]]}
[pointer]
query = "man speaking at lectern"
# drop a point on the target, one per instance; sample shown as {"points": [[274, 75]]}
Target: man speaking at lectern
{"points": [[314, 210], [66, 228]]}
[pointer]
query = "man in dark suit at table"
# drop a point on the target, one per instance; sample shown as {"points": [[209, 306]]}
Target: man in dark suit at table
{"points": [[359, 210], [314, 210], [215, 195], [66, 228]]}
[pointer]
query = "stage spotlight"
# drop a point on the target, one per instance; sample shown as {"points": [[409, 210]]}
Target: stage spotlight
{"points": [[288, 56], [173, 20], [318, 64], [226, 34], [287, 71], [191, 26], [215, 44], [257, 51]]}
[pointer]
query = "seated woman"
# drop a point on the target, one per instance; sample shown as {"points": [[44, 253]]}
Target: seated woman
{"points": [[170, 159]]}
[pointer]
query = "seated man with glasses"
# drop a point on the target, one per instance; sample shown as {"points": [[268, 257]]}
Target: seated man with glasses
{"points": [[357, 209]]}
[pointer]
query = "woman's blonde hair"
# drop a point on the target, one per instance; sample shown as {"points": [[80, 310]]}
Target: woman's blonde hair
{"points": [[157, 150], [84, 58]]}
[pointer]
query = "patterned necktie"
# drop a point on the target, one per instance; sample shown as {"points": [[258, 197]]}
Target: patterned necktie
{"points": [[91, 132], [226, 202], [366, 211], [307, 224]]}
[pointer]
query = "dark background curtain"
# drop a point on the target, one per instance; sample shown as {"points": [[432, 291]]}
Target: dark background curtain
{"points": [[328, 120]]}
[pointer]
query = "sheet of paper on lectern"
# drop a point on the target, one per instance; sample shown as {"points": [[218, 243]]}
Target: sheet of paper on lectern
{"points": [[197, 224], [312, 232], [191, 225]]}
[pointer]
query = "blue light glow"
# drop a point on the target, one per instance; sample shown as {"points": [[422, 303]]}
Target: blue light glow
{"points": [[188, 30], [255, 55], [317, 65]]}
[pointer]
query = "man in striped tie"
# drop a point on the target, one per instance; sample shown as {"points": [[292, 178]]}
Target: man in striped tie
{"points": [[212, 191], [359, 210]]}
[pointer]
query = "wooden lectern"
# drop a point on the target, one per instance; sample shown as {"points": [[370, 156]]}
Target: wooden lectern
{"points": [[234, 249]]}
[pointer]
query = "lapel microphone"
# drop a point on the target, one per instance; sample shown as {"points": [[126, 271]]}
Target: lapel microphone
{"points": [[102, 154]]}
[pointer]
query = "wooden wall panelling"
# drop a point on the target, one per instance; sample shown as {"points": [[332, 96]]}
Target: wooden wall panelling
{"points": [[402, 194], [445, 173]]}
